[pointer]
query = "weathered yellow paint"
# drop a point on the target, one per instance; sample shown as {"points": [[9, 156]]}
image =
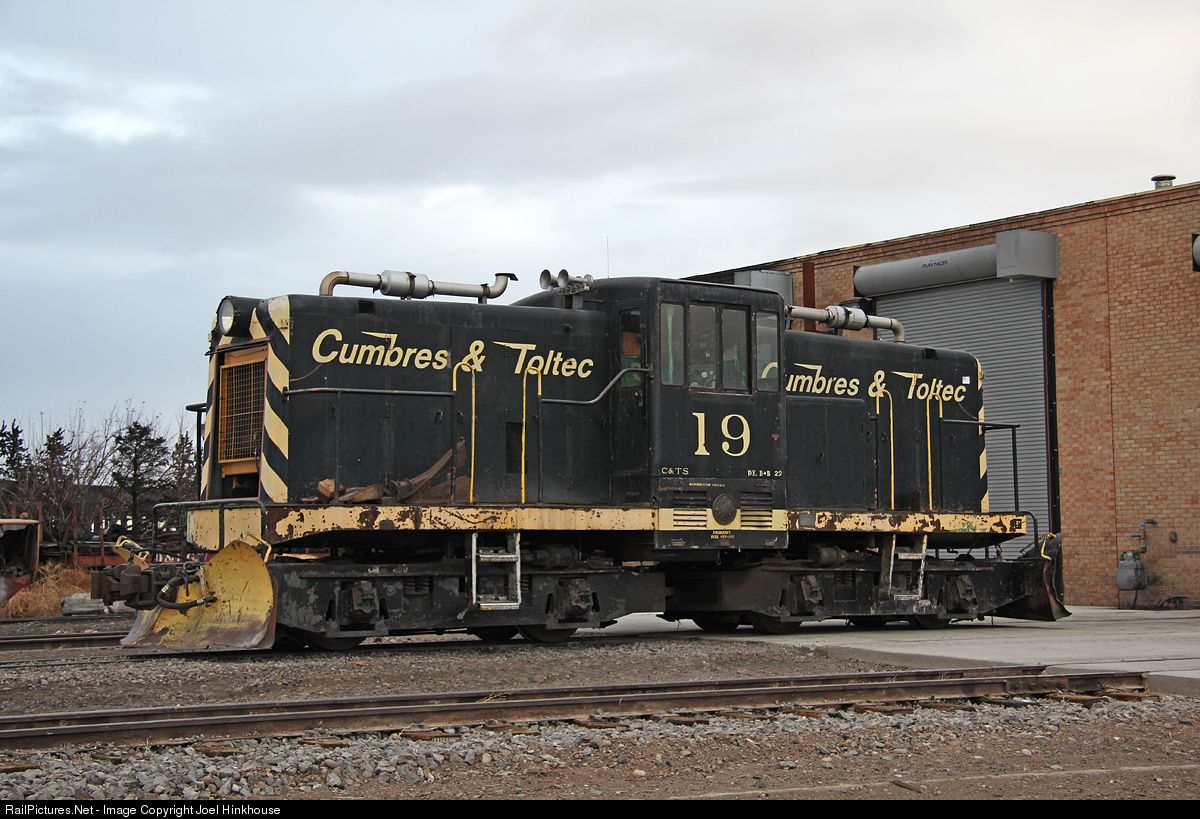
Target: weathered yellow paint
{"points": [[256, 329], [702, 519], [239, 612], [208, 427], [454, 388], [277, 372], [277, 431], [300, 522], [203, 526], [891, 444], [280, 311], [906, 522], [985, 502], [272, 484], [297, 522], [524, 419]]}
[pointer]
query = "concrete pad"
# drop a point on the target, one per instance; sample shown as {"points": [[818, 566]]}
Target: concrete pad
{"points": [[1163, 644]]}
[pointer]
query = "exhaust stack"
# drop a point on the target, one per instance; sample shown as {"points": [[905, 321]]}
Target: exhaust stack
{"points": [[847, 318], [405, 285]]}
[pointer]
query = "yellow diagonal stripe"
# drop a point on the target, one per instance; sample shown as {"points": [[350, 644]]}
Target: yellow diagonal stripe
{"points": [[277, 431], [277, 372], [208, 427], [272, 484], [281, 314]]}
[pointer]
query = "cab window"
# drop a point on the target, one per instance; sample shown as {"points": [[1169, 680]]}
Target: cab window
{"points": [[734, 354], [671, 341], [766, 344], [631, 346], [702, 346]]}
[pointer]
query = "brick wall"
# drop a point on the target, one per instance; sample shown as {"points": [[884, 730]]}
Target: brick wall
{"points": [[1127, 337]]}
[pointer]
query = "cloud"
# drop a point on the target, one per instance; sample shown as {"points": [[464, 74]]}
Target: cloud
{"points": [[155, 157]]}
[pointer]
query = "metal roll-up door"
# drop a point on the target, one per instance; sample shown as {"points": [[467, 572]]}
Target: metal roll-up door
{"points": [[1002, 323]]}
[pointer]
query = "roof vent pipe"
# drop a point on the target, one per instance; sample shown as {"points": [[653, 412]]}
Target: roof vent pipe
{"points": [[847, 318], [1163, 180], [404, 285]]}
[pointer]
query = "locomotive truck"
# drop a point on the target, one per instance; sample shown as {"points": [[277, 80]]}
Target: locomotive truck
{"points": [[395, 464]]}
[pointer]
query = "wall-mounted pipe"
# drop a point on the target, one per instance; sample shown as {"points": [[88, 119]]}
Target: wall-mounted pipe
{"points": [[405, 285], [847, 318]]}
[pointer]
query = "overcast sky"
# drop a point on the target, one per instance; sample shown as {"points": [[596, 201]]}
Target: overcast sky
{"points": [[156, 156]]}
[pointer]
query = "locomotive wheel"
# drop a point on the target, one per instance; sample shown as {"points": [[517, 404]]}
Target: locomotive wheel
{"points": [[545, 636], [868, 623], [715, 625], [494, 634], [765, 624], [929, 622], [326, 643]]}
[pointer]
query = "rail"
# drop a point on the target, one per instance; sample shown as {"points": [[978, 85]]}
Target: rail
{"points": [[43, 642], [401, 711]]}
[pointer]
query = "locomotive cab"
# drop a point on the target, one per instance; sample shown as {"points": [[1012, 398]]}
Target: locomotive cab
{"points": [[717, 453]]}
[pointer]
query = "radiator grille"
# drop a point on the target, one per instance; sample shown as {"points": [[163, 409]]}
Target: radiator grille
{"points": [[241, 418], [756, 519], [691, 498], [689, 518]]}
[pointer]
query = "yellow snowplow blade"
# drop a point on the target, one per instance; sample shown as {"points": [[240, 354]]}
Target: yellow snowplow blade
{"points": [[239, 614]]}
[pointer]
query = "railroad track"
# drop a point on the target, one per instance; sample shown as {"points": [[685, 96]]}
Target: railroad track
{"points": [[68, 618], [408, 711], [42, 642]]}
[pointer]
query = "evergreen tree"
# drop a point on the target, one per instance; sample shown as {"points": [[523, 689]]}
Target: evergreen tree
{"points": [[181, 470], [15, 468], [54, 481], [140, 470]]}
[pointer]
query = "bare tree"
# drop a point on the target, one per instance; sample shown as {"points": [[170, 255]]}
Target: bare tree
{"points": [[67, 476]]}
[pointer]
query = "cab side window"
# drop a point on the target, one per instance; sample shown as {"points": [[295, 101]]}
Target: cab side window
{"points": [[702, 346], [766, 344], [631, 346], [734, 353], [671, 357]]}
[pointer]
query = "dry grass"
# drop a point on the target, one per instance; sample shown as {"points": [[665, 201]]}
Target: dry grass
{"points": [[44, 597]]}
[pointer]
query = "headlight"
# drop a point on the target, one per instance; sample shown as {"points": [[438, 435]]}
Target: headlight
{"points": [[234, 314], [225, 316]]}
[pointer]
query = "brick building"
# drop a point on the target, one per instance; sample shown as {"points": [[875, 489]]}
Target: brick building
{"points": [[1122, 362]]}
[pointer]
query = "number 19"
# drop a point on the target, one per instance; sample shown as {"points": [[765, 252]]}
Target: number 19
{"points": [[743, 436]]}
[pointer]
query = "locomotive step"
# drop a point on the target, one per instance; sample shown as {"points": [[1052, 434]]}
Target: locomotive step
{"points": [[510, 606], [487, 557]]}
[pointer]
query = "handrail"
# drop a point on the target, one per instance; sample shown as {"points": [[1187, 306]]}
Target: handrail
{"points": [[220, 504], [987, 426], [603, 392], [359, 391]]}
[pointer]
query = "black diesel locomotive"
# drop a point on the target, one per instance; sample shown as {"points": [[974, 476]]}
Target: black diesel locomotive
{"points": [[378, 466]]}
